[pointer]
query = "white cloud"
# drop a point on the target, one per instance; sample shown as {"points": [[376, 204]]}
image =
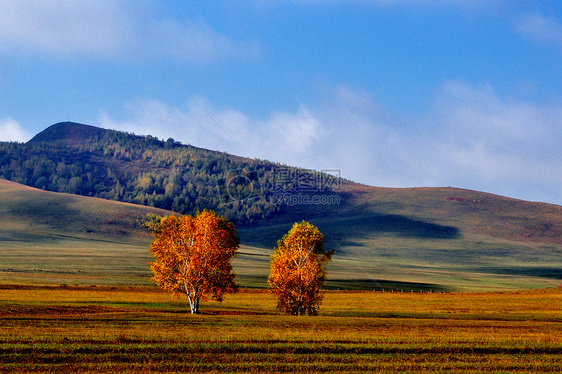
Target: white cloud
{"points": [[110, 30], [286, 136], [195, 41], [188, 124], [11, 131], [539, 28], [487, 142], [470, 138], [64, 27], [282, 137]]}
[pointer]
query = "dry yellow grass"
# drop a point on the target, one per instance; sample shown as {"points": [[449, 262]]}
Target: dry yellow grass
{"points": [[100, 329]]}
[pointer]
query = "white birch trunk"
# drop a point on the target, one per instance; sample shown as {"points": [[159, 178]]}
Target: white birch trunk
{"points": [[193, 304]]}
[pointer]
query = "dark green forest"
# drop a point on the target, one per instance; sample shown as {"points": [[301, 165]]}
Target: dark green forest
{"points": [[86, 160]]}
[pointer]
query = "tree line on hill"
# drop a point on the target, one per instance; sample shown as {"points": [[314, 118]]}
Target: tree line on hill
{"points": [[147, 171]]}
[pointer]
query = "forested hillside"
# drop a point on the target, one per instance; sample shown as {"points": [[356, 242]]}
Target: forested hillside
{"points": [[90, 161]]}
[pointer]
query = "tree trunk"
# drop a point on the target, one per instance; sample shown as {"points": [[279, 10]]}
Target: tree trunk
{"points": [[299, 304], [193, 304], [193, 299]]}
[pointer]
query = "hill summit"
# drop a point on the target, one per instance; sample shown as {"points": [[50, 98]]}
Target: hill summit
{"points": [[70, 132]]}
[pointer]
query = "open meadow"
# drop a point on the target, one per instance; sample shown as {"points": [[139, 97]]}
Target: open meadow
{"points": [[406, 239], [76, 294], [64, 329]]}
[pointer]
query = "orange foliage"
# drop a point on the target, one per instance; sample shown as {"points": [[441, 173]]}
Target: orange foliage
{"points": [[297, 270], [193, 256]]}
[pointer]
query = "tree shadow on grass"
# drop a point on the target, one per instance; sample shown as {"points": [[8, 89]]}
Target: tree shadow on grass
{"points": [[383, 285]]}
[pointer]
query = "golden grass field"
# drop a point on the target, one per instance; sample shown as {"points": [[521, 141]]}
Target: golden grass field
{"points": [[54, 329]]}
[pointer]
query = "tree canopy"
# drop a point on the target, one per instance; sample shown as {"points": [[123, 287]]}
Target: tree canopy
{"points": [[297, 270], [193, 256]]}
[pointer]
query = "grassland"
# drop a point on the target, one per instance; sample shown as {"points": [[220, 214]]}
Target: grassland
{"points": [[401, 239], [48, 237], [432, 238], [76, 296], [140, 329]]}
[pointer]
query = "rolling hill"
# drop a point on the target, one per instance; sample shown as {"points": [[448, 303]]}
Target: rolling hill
{"points": [[63, 238], [439, 238], [385, 238]]}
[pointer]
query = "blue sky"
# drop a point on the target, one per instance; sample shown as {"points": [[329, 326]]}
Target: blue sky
{"points": [[396, 93]]}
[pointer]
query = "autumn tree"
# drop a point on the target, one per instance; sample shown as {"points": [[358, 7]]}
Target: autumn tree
{"points": [[193, 256], [297, 270]]}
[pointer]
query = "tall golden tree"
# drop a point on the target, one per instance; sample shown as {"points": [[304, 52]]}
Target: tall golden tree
{"points": [[193, 256], [297, 270]]}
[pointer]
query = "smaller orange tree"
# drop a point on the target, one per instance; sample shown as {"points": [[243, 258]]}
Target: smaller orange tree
{"points": [[297, 270], [193, 256]]}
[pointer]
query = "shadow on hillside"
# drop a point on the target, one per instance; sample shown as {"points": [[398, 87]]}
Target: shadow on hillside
{"points": [[54, 212], [529, 271], [344, 230], [383, 286], [407, 227]]}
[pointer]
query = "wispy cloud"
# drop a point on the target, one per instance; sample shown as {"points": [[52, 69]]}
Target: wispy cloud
{"points": [[471, 138], [64, 27], [110, 30], [195, 41], [540, 28], [282, 137], [11, 131], [498, 141]]}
